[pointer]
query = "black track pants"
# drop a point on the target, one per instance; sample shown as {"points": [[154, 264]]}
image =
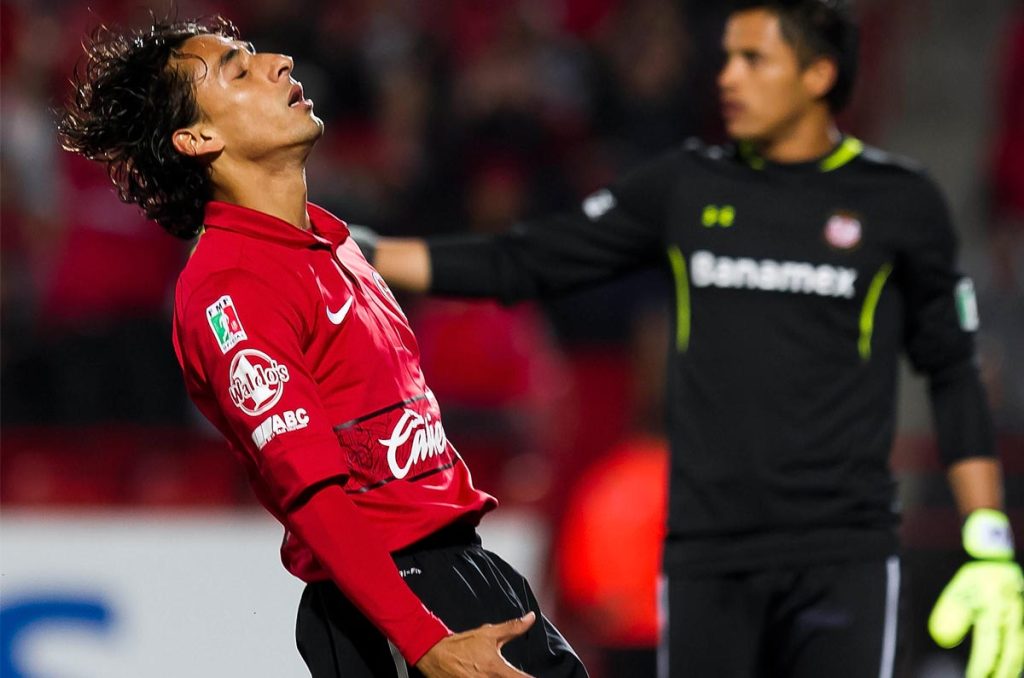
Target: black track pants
{"points": [[463, 584], [824, 621]]}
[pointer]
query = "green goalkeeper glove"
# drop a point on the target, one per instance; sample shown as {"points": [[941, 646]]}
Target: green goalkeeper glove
{"points": [[985, 593]]}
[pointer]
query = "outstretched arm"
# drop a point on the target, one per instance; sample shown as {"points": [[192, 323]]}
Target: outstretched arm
{"points": [[404, 263], [614, 231]]}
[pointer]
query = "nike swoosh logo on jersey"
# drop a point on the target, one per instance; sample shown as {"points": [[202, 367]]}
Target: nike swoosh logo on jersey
{"points": [[338, 316]]}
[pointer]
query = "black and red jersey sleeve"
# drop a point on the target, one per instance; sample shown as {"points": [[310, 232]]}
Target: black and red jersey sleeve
{"points": [[941, 319], [615, 230]]}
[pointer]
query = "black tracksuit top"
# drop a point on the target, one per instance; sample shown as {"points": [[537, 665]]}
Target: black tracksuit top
{"points": [[796, 289]]}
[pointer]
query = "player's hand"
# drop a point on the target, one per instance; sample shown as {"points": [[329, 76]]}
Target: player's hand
{"points": [[987, 595], [476, 652]]}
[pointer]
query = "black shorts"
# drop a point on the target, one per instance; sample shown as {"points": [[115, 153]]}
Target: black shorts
{"points": [[837, 620], [457, 580]]}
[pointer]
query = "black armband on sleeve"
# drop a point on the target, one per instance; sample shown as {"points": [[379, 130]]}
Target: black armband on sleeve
{"points": [[466, 266]]}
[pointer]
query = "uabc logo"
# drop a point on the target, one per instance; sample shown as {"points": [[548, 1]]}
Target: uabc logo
{"points": [[257, 381]]}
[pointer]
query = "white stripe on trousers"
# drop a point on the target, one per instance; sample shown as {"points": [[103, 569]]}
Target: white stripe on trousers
{"points": [[663, 626], [892, 605], [401, 668]]}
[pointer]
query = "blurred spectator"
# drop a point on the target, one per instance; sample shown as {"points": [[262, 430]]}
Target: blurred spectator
{"points": [[500, 377], [503, 389], [609, 555], [1002, 291], [649, 104], [608, 551], [1007, 168], [85, 277], [28, 183]]}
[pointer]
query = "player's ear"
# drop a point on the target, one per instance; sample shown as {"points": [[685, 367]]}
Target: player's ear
{"points": [[819, 76], [198, 142]]}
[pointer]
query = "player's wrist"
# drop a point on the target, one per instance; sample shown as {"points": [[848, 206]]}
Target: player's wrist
{"points": [[423, 633], [987, 535]]}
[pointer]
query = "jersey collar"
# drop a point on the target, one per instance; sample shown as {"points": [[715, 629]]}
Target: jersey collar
{"points": [[328, 230], [847, 149]]}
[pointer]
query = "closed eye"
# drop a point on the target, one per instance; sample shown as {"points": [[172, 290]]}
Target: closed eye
{"points": [[751, 57]]}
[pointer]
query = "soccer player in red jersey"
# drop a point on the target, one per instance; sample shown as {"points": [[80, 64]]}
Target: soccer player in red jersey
{"points": [[296, 350]]}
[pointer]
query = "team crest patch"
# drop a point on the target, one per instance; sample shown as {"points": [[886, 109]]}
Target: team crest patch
{"points": [[843, 231], [224, 322], [382, 286]]}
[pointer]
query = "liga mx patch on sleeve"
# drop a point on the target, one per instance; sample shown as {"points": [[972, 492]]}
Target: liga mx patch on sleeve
{"points": [[967, 305], [224, 322]]}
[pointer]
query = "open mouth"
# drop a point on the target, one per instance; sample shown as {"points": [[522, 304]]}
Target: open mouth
{"points": [[731, 109], [295, 95]]}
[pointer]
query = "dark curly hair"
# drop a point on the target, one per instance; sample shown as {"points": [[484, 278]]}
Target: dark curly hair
{"points": [[818, 28], [129, 98]]}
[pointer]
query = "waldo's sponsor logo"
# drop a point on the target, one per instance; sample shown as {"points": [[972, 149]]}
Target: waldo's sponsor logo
{"points": [[257, 381]]}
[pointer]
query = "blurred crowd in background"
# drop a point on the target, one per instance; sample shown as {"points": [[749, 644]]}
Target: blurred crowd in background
{"points": [[450, 116]]}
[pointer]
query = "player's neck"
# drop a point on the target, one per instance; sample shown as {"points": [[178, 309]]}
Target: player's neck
{"points": [[809, 138], [279, 192]]}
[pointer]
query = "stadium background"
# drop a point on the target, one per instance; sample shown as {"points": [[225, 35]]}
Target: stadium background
{"points": [[129, 542]]}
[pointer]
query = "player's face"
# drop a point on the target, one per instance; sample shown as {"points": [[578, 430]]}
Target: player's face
{"points": [[249, 102], [764, 90]]}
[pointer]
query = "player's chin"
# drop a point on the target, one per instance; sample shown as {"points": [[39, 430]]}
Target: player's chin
{"points": [[741, 130], [312, 129]]}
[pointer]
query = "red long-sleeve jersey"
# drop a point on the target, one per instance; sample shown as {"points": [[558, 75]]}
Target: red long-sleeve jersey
{"points": [[293, 346]]}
